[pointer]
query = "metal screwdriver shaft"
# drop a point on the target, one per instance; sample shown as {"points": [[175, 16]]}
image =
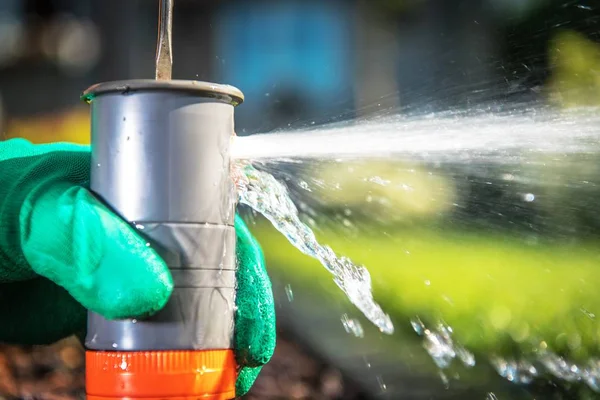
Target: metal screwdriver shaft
{"points": [[164, 47]]}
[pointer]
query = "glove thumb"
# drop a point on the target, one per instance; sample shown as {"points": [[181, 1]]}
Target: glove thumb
{"points": [[71, 238]]}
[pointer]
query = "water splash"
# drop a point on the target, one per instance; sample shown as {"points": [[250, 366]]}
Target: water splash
{"points": [[504, 138], [443, 350], [547, 362], [515, 371], [440, 345], [289, 293], [263, 193], [353, 326]]}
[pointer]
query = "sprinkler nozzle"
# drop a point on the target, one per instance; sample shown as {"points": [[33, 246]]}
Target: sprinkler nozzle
{"points": [[160, 159]]}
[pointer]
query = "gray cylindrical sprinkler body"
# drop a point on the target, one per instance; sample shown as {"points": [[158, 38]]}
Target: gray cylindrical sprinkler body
{"points": [[160, 159]]}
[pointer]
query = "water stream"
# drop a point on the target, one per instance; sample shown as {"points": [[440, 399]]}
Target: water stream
{"points": [[452, 135]]}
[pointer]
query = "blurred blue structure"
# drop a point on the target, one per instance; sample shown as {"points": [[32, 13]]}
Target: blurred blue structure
{"points": [[292, 59]]}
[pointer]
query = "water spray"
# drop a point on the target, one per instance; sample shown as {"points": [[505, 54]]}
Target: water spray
{"points": [[160, 159]]}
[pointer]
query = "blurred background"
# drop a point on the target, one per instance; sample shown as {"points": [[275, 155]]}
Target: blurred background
{"points": [[298, 62], [303, 63]]}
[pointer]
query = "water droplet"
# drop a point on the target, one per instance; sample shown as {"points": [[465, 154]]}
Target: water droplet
{"points": [[369, 198], [465, 356], [529, 197], [589, 314], [574, 368], [289, 293], [114, 345], [444, 379], [427, 282], [440, 346], [124, 365], [98, 165], [515, 371], [381, 383], [439, 349], [347, 222], [147, 244], [378, 180], [304, 185], [139, 226], [418, 326], [352, 326], [134, 321]]}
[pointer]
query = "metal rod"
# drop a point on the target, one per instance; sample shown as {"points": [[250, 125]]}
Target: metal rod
{"points": [[164, 50]]}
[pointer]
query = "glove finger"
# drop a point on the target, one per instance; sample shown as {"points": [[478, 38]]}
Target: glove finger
{"points": [[38, 312], [255, 318], [246, 378], [71, 238]]}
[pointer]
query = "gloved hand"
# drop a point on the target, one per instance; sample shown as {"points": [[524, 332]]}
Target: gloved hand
{"points": [[63, 252]]}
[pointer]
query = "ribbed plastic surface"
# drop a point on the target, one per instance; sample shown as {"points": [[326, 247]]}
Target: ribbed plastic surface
{"points": [[206, 375]]}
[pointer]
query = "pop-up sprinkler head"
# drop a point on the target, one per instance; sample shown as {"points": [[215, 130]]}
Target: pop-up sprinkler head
{"points": [[160, 159]]}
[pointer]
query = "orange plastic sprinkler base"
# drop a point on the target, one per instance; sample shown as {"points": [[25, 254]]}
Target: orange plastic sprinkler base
{"points": [[161, 375]]}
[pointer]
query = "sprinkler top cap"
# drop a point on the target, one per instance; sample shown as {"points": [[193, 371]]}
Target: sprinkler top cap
{"points": [[227, 93]]}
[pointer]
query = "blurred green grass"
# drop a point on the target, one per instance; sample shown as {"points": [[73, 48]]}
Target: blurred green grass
{"points": [[499, 294]]}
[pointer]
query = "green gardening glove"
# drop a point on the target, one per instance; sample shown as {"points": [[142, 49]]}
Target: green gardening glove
{"points": [[63, 252]]}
